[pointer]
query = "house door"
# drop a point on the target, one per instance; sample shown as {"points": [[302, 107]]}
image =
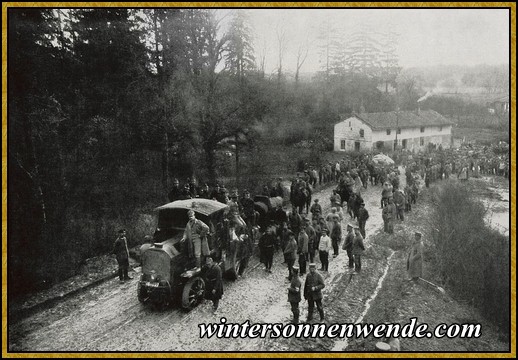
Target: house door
{"points": [[403, 143], [357, 146]]}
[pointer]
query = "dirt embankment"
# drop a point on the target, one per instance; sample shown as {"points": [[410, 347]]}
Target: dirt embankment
{"points": [[399, 300]]}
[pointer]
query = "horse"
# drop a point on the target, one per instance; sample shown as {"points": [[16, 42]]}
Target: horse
{"points": [[300, 198]]}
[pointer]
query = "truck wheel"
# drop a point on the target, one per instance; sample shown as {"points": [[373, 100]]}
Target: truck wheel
{"points": [[141, 294], [193, 293]]}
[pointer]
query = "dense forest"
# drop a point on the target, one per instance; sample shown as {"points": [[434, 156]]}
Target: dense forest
{"points": [[106, 106]]}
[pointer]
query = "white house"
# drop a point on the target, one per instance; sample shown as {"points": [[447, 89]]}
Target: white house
{"points": [[412, 130]]}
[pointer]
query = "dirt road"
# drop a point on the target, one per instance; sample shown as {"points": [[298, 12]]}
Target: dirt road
{"points": [[110, 318]]}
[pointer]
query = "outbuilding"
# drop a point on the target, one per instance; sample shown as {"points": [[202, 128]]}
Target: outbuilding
{"points": [[384, 131]]}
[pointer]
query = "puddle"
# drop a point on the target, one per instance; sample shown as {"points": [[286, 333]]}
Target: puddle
{"points": [[341, 345]]}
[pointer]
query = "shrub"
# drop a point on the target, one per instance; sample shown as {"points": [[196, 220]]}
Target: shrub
{"points": [[473, 259]]}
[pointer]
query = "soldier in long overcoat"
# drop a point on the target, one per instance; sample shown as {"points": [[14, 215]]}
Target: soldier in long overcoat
{"points": [[294, 294], [290, 253], [415, 258], [313, 291], [358, 249], [389, 216], [120, 249], [348, 245]]}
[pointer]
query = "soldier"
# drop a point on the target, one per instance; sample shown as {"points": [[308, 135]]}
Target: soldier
{"points": [[214, 282], [313, 292], [192, 187], [266, 244], [399, 200], [324, 247], [120, 249], [290, 253], [389, 215], [222, 196], [185, 192], [358, 249], [335, 199], [196, 236], [348, 245], [205, 192], [174, 194], [247, 204], [295, 221], [336, 237], [332, 218], [363, 216], [386, 193], [312, 236], [414, 263], [316, 209], [408, 198], [303, 249], [294, 294], [215, 193]]}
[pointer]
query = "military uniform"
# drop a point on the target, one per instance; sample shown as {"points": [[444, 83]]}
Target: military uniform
{"points": [[120, 249], [358, 249], [213, 284], [294, 295], [313, 292], [389, 215]]}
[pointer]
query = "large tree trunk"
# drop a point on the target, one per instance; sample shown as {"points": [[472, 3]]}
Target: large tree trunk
{"points": [[237, 162], [210, 156], [165, 161]]}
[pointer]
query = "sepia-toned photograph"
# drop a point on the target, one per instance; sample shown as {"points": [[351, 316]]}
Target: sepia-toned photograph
{"points": [[239, 179]]}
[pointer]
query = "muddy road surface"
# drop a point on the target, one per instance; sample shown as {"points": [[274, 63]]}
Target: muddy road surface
{"points": [[109, 317]]}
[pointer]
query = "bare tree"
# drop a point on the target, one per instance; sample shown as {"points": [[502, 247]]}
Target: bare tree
{"points": [[282, 42], [302, 54]]}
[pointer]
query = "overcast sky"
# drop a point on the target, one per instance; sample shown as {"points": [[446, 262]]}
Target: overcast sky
{"points": [[426, 36]]}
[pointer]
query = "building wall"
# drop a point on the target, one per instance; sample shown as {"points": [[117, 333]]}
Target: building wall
{"points": [[348, 130], [431, 134]]}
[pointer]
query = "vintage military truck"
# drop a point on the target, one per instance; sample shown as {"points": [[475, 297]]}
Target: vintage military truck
{"points": [[168, 273]]}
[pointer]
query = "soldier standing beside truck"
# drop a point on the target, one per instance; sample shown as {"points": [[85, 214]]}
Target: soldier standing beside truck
{"points": [[120, 249]]}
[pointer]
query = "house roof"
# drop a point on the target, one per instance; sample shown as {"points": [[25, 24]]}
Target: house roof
{"points": [[403, 119]]}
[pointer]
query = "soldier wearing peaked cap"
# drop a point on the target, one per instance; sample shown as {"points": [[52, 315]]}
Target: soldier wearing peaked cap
{"points": [[313, 292], [294, 294]]}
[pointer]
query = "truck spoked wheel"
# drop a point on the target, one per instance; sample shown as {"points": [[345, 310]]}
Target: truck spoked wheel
{"points": [[193, 293], [142, 294]]}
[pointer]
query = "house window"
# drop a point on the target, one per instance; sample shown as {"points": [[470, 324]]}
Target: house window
{"points": [[362, 133], [421, 141], [342, 145], [422, 128], [388, 131], [399, 130]]}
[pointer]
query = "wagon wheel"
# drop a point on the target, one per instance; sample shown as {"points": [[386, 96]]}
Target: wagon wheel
{"points": [[193, 292]]}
